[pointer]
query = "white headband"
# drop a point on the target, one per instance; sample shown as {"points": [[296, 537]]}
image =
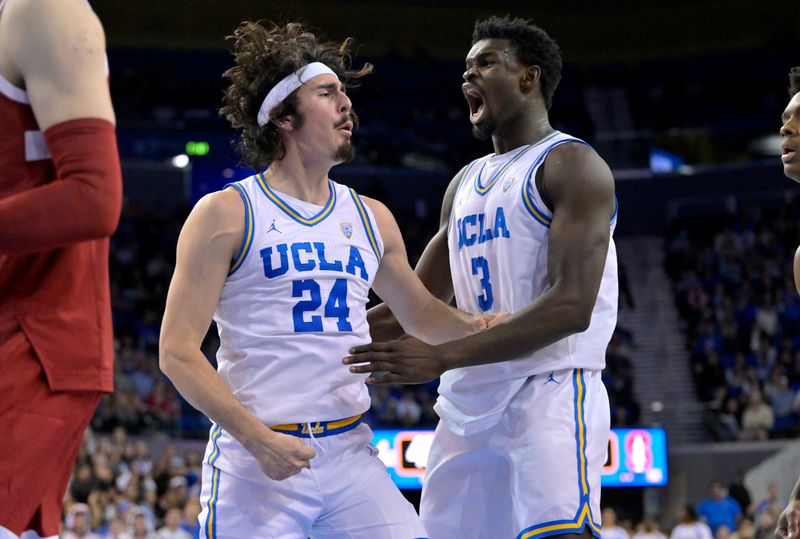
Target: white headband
{"points": [[289, 84]]}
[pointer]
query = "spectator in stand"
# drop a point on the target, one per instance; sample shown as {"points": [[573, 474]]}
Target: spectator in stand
{"points": [[648, 529], [738, 491], [757, 419], [719, 509], [78, 523], [781, 398], [610, 528], [191, 512], [771, 503], [745, 530], [690, 526], [172, 526]]}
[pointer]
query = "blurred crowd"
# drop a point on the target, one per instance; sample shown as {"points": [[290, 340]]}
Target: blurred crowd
{"points": [[726, 513], [123, 488], [732, 277]]}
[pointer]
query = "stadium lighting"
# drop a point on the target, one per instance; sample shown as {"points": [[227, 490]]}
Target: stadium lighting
{"points": [[197, 148], [180, 161]]}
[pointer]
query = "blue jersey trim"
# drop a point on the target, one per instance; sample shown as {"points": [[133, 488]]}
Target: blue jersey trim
{"points": [[210, 526], [537, 213], [482, 190], [291, 212], [247, 237], [362, 213], [616, 209]]}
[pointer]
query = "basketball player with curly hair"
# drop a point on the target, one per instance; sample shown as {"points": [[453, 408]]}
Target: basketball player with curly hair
{"points": [[283, 262]]}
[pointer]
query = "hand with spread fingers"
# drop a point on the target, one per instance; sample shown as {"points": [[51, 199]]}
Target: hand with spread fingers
{"points": [[405, 361], [789, 522]]}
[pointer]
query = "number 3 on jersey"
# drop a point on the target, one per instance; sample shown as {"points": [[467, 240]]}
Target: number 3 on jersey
{"points": [[335, 307], [481, 266]]}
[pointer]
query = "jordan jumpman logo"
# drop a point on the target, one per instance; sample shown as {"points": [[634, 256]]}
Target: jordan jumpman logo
{"points": [[551, 378]]}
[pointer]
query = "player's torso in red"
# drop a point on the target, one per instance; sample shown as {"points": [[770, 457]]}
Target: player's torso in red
{"points": [[59, 297]]}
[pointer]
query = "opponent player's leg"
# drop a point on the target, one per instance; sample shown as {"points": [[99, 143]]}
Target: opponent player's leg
{"points": [[362, 501], [45, 429], [561, 430], [465, 490]]}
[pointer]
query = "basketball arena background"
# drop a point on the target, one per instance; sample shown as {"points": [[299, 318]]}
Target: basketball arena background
{"points": [[682, 98]]}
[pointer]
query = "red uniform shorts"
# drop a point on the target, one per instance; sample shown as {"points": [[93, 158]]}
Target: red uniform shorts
{"points": [[42, 432]]}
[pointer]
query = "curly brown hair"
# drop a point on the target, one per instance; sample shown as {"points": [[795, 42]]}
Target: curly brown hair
{"points": [[794, 81], [265, 53]]}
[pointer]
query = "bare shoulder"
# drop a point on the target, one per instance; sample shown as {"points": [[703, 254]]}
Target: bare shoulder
{"points": [[221, 207], [575, 167], [51, 13], [387, 227], [378, 208], [54, 38], [576, 157], [56, 20]]}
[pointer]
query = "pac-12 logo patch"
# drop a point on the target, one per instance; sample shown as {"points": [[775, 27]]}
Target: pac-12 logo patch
{"points": [[507, 184], [347, 230]]}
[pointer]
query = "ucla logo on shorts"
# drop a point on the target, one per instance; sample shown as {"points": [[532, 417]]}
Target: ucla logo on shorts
{"points": [[507, 184], [347, 230]]}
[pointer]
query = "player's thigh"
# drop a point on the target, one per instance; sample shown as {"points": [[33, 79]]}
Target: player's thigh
{"points": [[557, 432], [257, 508], [371, 508], [465, 490]]}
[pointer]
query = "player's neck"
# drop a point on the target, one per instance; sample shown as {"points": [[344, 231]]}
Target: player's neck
{"points": [[305, 180], [524, 129]]}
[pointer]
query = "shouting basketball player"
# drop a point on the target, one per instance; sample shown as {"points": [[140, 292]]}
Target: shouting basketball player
{"points": [[284, 261], [527, 229]]}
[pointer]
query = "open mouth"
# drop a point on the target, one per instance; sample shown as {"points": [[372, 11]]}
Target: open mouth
{"points": [[788, 154], [475, 102], [347, 127]]}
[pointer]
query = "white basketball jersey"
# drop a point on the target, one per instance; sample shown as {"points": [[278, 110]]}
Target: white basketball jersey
{"points": [[498, 240], [294, 303]]}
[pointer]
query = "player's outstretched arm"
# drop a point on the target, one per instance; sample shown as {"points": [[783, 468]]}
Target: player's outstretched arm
{"points": [[209, 239], [56, 51], [789, 522], [433, 269], [418, 312], [580, 188]]}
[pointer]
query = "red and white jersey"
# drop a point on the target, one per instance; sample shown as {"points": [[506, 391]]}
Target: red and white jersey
{"points": [[498, 241], [60, 297]]}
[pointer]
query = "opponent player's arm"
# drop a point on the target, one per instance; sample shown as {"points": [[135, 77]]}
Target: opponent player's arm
{"points": [[212, 234], [433, 269], [580, 188], [62, 64], [418, 312], [789, 521]]}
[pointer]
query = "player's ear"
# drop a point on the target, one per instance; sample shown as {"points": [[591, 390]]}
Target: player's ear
{"points": [[530, 77], [286, 122]]}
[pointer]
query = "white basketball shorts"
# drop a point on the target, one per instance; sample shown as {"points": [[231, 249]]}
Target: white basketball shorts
{"points": [[536, 473], [347, 493]]}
